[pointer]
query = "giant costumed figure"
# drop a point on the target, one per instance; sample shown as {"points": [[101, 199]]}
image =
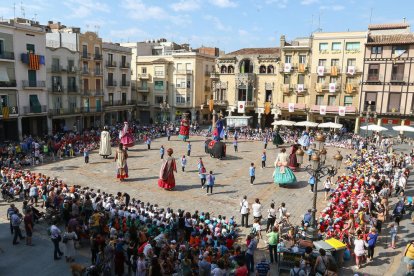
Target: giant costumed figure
{"points": [[184, 133], [166, 179], [126, 136], [283, 174], [105, 146], [215, 147]]}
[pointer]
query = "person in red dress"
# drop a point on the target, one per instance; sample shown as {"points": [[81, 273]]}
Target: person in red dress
{"points": [[166, 179]]}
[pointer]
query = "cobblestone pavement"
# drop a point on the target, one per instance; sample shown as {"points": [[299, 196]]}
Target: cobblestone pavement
{"points": [[232, 182]]}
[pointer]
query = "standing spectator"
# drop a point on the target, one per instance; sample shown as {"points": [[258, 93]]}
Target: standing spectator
{"points": [[265, 141], [271, 217], [183, 163], [28, 226], [16, 220], [252, 173], [251, 248], [264, 159], [372, 240], [257, 210], [34, 194], [296, 270], [202, 175], [235, 144], [55, 236], [10, 211], [162, 151], [311, 182], [244, 211], [188, 148], [393, 233], [327, 185], [69, 238], [359, 250], [204, 267], [273, 241], [210, 182], [409, 257], [168, 134], [148, 142], [86, 155], [263, 267]]}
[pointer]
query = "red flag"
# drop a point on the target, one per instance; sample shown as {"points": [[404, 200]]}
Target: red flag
{"points": [[34, 63]]}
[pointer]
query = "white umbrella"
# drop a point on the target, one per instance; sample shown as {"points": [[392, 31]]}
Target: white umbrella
{"points": [[403, 128], [283, 123], [306, 124], [330, 125], [374, 128]]}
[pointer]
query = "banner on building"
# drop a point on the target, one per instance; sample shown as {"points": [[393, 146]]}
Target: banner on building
{"points": [[321, 70], [342, 110], [301, 68], [287, 68], [301, 88], [241, 106], [334, 71], [332, 87], [291, 107], [350, 70], [267, 108], [349, 88], [322, 109], [5, 112], [211, 105]]}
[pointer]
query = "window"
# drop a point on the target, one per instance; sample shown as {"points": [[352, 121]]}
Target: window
{"points": [[351, 62], [394, 102], [159, 71], [335, 62], [242, 94], [30, 48], [301, 79], [72, 84], [1, 46], [110, 78], [399, 49], [85, 68], [71, 65], [288, 59], [323, 46], [144, 98], [350, 81], [336, 46], [223, 69], [322, 62], [319, 100], [143, 70], [55, 64], [270, 69], [397, 73], [286, 79], [348, 100], [179, 67], [188, 84], [123, 98], [188, 99], [158, 85], [188, 67], [123, 61], [376, 49], [144, 84], [84, 51], [56, 84], [331, 100], [4, 100], [370, 100], [333, 79], [110, 59], [262, 69], [181, 83], [111, 98], [373, 72], [98, 85], [321, 79], [230, 69], [98, 69], [31, 74], [159, 99], [302, 59], [97, 52], [352, 46], [35, 106], [124, 79]]}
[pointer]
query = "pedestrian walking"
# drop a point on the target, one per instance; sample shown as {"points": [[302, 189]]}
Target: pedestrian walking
{"points": [[327, 185], [244, 211], [359, 250], [183, 163], [148, 142], [55, 236], [188, 148], [235, 144], [265, 141], [202, 174], [16, 220], [251, 249], [264, 157], [393, 234], [10, 211], [86, 155], [168, 134], [210, 182], [252, 173], [311, 182], [28, 226], [273, 241], [162, 151], [372, 240]]}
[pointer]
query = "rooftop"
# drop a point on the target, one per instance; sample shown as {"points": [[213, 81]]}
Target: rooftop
{"points": [[256, 51], [388, 26], [390, 39]]}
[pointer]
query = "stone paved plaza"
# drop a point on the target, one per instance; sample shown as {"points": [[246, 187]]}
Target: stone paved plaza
{"points": [[232, 182]]}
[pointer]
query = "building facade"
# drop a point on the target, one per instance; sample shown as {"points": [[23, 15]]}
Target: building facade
{"points": [[388, 83], [336, 75], [118, 102], [248, 76]]}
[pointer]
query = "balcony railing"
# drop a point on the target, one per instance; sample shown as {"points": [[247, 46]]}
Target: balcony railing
{"points": [[71, 69], [110, 64], [34, 109], [125, 65], [144, 76], [143, 103], [221, 102], [73, 88], [10, 83], [250, 103], [85, 55], [97, 56], [7, 55], [98, 72], [91, 109], [186, 104], [214, 75], [57, 89], [184, 71], [111, 83], [118, 102], [125, 83], [13, 110], [143, 89], [64, 111], [374, 78], [98, 92], [286, 88], [85, 71], [398, 78], [159, 74], [207, 73], [33, 84], [56, 69]]}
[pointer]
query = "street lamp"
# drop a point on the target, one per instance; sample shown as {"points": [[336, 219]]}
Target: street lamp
{"points": [[369, 114], [299, 155], [318, 170], [164, 109]]}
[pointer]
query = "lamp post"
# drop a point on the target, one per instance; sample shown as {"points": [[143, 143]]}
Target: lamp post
{"points": [[369, 114], [299, 156], [318, 170], [164, 109]]}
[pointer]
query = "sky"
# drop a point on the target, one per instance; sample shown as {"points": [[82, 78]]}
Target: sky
{"points": [[227, 24]]}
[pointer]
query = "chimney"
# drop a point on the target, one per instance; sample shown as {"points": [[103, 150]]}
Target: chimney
{"points": [[282, 41]]}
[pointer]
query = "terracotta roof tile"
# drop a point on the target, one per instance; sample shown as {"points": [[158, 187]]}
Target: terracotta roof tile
{"points": [[256, 51], [388, 26], [390, 39]]}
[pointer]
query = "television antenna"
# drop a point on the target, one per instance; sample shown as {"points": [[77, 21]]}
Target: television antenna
{"points": [[22, 10]]}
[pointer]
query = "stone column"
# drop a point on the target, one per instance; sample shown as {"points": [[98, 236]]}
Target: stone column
{"points": [[19, 128], [402, 124], [357, 125], [49, 125]]}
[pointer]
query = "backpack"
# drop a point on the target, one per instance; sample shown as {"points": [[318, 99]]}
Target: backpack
{"points": [[253, 231], [297, 273]]}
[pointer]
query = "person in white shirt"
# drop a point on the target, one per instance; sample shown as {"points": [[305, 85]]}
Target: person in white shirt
{"points": [[55, 236], [244, 211], [257, 209], [327, 186]]}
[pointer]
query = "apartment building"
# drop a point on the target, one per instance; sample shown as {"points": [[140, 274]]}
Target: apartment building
{"points": [[118, 103], [91, 67], [388, 81], [247, 77], [294, 79], [336, 74]]}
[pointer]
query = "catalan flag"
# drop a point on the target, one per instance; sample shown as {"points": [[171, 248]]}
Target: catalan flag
{"points": [[211, 105], [267, 108], [301, 68], [334, 71], [34, 62], [349, 88], [5, 112]]}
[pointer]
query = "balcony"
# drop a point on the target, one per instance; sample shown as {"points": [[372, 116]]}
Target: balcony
{"points": [[244, 79], [207, 73], [334, 109], [144, 76], [214, 75], [207, 88], [351, 88], [286, 88], [56, 69], [300, 88], [73, 89], [33, 84], [97, 56], [64, 111], [6, 84], [125, 84], [85, 55], [185, 104], [125, 65], [98, 93], [250, 104], [220, 103], [398, 78], [110, 64], [143, 89], [111, 83], [90, 109], [85, 71], [13, 110], [334, 70], [301, 67], [286, 68], [57, 89], [374, 78], [98, 72], [34, 109], [353, 70], [184, 72], [159, 75], [7, 55], [142, 103], [72, 69]]}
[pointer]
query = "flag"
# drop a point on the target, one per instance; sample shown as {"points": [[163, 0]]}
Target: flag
{"points": [[241, 106], [334, 71], [267, 108], [351, 70], [322, 109], [5, 112], [291, 107], [300, 88], [34, 63], [349, 88], [321, 70], [211, 105], [301, 68], [287, 68], [342, 110], [332, 87], [318, 87]]}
